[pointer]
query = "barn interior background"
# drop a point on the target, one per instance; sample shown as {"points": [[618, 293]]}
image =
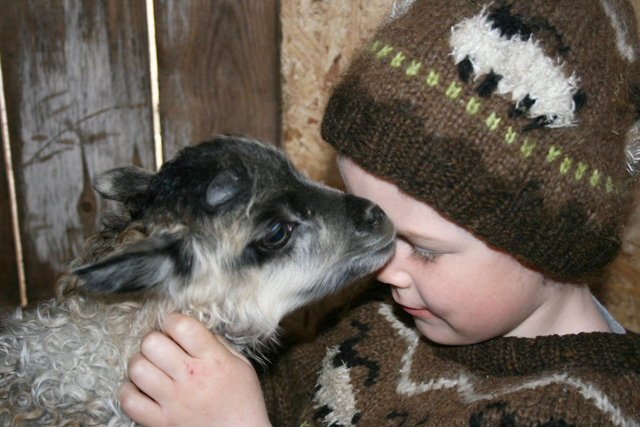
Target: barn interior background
{"points": [[88, 85]]}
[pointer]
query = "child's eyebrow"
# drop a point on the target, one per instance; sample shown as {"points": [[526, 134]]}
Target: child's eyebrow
{"points": [[421, 237]]}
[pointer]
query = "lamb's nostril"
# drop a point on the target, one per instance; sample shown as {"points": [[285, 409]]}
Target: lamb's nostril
{"points": [[374, 215], [366, 217]]}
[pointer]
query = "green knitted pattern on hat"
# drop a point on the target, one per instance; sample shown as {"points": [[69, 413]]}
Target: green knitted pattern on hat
{"points": [[566, 166]]}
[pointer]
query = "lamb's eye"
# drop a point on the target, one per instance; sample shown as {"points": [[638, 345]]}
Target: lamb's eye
{"points": [[278, 236]]}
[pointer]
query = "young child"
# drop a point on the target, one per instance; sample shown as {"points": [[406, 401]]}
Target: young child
{"points": [[494, 135]]}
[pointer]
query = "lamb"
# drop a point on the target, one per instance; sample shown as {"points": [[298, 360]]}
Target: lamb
{"points": [[228, 232]]}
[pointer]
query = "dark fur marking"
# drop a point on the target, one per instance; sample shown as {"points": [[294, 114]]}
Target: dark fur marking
{"points": [[556, 423], [489, 84], [255, 255], [175, 191], [465, 68], [294, 206], [403, 417], [537, 123], [534, 25], [249, 257], [322, 412], [356, 418], [284, 208], [137, 268], [126, 185], [521, 107], [476, 419], [509, 24], [579, 101]]}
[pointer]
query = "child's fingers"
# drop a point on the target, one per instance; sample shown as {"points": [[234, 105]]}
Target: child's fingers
{"points": [[148, 378], [232, 350], [164, 353], [193, 337], [140, 408]]}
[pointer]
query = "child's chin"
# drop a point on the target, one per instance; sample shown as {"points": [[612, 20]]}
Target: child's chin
{"points": [[441, 333]]}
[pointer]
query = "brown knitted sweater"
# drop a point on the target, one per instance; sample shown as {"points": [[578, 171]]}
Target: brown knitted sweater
{"points": [[372, 368]]}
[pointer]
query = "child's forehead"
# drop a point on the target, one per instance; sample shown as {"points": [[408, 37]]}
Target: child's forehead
{"points": [[425, 224], [413, 218]]}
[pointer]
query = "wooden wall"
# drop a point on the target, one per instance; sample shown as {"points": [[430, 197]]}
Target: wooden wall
{"points": [[78, 94]]}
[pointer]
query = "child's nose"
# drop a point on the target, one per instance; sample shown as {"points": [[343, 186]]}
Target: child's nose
{"points": [[394, 272]]}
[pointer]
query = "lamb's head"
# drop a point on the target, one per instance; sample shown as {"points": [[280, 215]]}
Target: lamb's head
{"points": [[234, 231]]}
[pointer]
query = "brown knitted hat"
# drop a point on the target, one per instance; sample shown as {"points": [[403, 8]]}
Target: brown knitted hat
{"points": [[510, 118]]}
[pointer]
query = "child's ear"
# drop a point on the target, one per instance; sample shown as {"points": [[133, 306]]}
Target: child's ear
{"points": [[126, 185], [143, 265]]}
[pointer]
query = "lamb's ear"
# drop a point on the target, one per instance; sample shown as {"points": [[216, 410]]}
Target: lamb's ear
{"points": [[123, 184], [143, 265], [230, 184]]}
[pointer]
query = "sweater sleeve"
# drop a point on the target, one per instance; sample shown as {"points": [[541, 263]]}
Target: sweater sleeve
{"points": [[291, 379], [288, 384]]}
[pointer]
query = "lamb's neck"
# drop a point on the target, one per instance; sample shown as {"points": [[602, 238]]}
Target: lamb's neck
{"points": [[129, 320]]}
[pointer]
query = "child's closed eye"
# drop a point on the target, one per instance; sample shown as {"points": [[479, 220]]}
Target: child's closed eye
{"points": [[423, 255], [417, 253]]}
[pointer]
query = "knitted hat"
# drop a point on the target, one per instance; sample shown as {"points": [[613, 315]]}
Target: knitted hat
{"points": [[511, 118]]}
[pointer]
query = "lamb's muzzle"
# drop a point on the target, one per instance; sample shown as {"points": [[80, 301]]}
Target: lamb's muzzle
{"points": [[228, 232]]}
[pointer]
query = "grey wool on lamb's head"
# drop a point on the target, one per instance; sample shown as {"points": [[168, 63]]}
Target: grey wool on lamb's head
{"points": [[228, 232]]}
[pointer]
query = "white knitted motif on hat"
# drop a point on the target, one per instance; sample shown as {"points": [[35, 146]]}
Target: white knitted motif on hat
{"points": [[523, 65]]}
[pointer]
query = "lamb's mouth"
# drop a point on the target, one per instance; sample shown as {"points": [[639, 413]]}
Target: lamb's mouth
{"points": [[387, 250], [376, 255], [380, 247]]}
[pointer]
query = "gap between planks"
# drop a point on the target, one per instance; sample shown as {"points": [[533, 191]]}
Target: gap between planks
{"points": [[155, 85], [13, 200]]}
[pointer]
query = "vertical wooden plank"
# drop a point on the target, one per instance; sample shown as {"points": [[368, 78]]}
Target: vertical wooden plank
{"points": [[218, 70], [76, 79], [9, 290]]}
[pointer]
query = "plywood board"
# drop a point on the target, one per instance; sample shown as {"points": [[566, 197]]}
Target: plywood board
{"points": [[318, 38]]}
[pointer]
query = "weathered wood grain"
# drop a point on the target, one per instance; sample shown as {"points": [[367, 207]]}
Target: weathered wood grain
{"points": [[218, 70], [77, 90]]}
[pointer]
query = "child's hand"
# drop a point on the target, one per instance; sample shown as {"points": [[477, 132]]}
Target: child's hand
{"points": [[189, 377]]}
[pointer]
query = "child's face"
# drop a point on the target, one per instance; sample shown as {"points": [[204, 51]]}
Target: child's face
{"points": [[458, 289]]}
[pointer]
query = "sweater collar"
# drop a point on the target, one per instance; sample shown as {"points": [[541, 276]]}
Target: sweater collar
{"points": [[608, 352]]}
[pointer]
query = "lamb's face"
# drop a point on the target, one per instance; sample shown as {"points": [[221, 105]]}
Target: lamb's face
{"points": [[233, 226]]}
